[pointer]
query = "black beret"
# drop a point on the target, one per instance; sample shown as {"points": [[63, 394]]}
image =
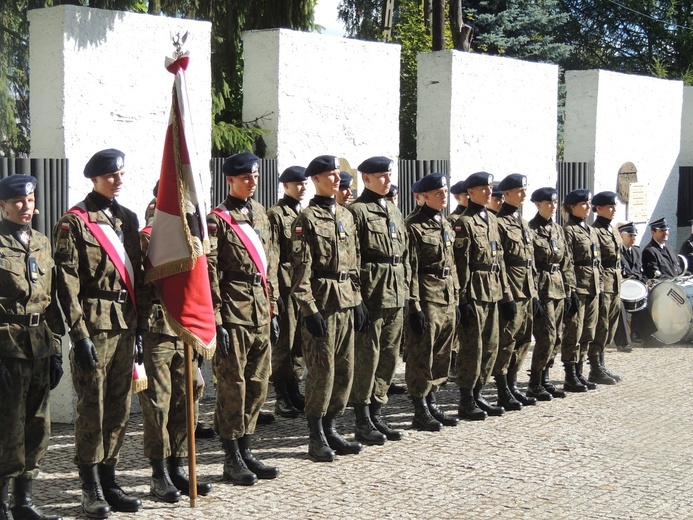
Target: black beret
{"points": [[659, 224], [17, 185], [103, 162], [394, 190], [604, 198], [345, 180], [512, 181], [376, 165], [545, 194], [478, 179], [415, 186], [155, 191], [432, 181], [240, 164], [293, 174], [458, 188], [322, 163], [576, 196], [629, 228]]}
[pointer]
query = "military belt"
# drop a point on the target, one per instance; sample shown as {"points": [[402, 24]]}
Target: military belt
{"points": [[585, 263], [115, 296], [376, 259], [549, 268], [493, 268], [252, 279], [612, 263], [440, 273], [519, 263], [30, 320], [340, 276]]}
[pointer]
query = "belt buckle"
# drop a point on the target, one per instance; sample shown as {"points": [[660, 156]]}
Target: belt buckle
{"points": [[343, 276], [495, 268], [122, 296], [529, 263], [595, 262], [554, 268], [396, 260], [34, 319], [257, 279], [445, 273]]}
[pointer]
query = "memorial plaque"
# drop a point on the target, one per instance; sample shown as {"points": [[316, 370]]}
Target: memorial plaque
{"points": [[637, 203]]}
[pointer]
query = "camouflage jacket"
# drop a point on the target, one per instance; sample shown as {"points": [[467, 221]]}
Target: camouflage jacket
{"points": [[83, 267], [281, 217], [610, 254], [382, 237], [551, 258], [325, 259], [584, 248], [157, 320], [434, 277], [22, 293], [236, 299], [518, 252], [455, 215]]}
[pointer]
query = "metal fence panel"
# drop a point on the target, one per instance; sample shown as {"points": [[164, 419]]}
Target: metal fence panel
{"points": [[573, 176], [411, 171], [267, 190]]}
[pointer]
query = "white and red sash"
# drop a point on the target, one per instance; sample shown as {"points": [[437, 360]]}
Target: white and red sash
{"points": [[106, 236], [250, 240]]}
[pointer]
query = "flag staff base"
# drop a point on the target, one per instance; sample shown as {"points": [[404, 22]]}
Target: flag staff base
{"points": [[190, 415]]}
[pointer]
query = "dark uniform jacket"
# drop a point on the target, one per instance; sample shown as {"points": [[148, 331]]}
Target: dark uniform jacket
{"points": [[687, 251], [518, 252], [660, 261], [631, 264], [583, 245], [552, 259]]}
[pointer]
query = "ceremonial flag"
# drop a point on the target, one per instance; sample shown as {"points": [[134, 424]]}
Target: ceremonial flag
{"points": [[176, 259]]}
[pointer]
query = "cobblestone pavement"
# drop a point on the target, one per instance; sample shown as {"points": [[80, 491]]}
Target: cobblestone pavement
{"points": [[624, 451]]}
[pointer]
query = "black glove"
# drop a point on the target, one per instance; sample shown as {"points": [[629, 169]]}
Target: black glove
{"points": [[139, 345], [316, 325], [508, 310], [5, 380], [602, 300], [468, 314], [222, 341], [85, 354], [361, 318], [458, 317], [280, 305], [537, 308], [274, 330], [417, 320], [572, 303], [56, 370]]}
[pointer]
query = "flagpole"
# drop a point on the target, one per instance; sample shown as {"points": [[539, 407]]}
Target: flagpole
{"points": [[190, 408]]}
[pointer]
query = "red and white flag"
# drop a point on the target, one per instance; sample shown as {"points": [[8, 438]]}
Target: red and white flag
{"points": [[176, 260]]}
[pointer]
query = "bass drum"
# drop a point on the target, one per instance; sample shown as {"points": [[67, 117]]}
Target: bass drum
{"points": [[671, 308], [633, 295]]}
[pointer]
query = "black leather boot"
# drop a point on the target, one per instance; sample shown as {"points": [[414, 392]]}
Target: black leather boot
{"points": [[204, 432], [536, 389], [5, 513], [338, 443], [423, 420], [597, 373], [608, 372], [572, 383], [258, 467], [364, 429], [176, 470], [481, 402], [114, 494], [283, 406], [549, 386], [505, 398], [437, 413], [22, 506], [160, 485], [318, 449], [235, 468], [390, 433], [468, 408], [297, 399], [93, 502], [265, 418], [525, 400]]}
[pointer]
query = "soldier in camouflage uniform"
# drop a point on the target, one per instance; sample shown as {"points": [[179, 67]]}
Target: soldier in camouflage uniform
{"points": [[483, 284], [433, 294], [344, 195], [325, 282], [243, 277], [384, 274], [518, 257], [30, 353], [553, 261], [107, 314], [163, 403], [580, 327], [604, 204], [281, 218]]}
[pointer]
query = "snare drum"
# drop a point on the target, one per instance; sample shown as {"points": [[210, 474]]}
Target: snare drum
{"points": [[671, 308], [633, 295]]}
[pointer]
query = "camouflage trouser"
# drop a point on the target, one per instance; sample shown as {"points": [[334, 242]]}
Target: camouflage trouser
{"points": [[289, 335], [428, 358], [330, 362], [547, 335], [515, 339], [103, 398], [607, 322], [25, 423], [242, 380], [376, 353], [163, 402], [479, 348], [579, 330]]}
